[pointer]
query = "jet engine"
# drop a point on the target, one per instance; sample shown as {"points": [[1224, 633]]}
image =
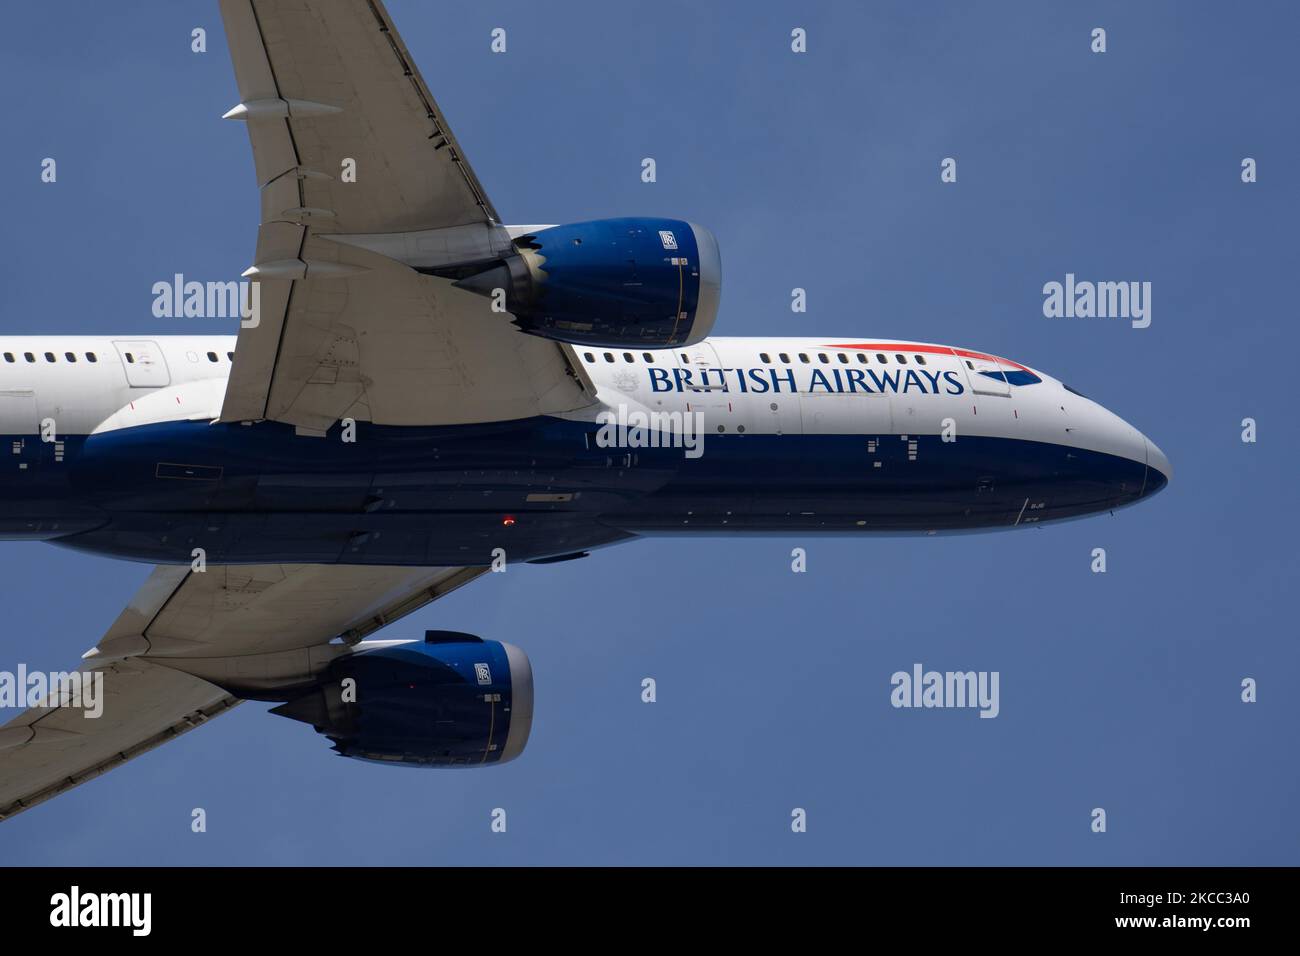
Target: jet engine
{"points": [[451, 700], [610, 283]]}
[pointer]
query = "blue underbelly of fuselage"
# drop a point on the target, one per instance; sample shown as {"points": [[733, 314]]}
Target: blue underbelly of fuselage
{"points": [[535, 488]]}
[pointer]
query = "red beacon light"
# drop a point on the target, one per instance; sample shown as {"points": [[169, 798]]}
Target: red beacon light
{"points": [[508, 520]]}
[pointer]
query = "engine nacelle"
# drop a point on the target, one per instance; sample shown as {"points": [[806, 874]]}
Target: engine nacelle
{"points": [[452, 700], [615, 283]]}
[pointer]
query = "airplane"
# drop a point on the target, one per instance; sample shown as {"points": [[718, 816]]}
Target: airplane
{"points": [[424, 394]]}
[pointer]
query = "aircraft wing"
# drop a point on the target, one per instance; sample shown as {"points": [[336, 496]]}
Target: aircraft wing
{"points": [[348, 143], [235, 621]]}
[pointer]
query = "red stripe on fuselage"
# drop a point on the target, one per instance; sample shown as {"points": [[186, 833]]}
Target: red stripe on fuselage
{"points": [[931, 349]]}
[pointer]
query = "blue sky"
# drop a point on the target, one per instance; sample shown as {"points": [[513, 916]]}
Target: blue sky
{"points": [[821, 171]]}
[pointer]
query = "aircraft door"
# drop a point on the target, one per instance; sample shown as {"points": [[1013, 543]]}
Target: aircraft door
{"points": [[986, 376], [710, 392], [143, 363]]}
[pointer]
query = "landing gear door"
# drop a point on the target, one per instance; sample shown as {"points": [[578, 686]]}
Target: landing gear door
{"points": [[143, 363]]}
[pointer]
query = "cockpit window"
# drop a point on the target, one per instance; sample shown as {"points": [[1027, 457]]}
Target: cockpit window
{"points": [[1075, 391]]}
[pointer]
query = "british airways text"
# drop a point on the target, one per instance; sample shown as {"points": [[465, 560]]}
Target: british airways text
{"points": [[832, 380]]}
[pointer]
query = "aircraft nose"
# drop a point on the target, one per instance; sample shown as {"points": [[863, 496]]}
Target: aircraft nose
{"points": [[1159, 471]]}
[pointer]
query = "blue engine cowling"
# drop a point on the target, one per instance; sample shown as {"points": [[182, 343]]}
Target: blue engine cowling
{"points": [[452, 700], [616, 283]]}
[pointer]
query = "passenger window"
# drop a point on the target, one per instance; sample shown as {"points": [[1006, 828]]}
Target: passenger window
{"points": [[212, 356], [231, 356], [589, 357], [130, 359], [627, 357], [862, 357], [880, 357], [844, 359], [9, 356], [648, 357], [49, 356], [969, 365], [920, 359], [70, 356], [765, 358], [803, 357], [29, 356], [91, 357], [902, 359], [609, 356], [784, 358]]}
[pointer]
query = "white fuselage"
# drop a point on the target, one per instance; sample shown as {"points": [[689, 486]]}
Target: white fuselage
{"points": [[829, 385], [117, 446]]}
